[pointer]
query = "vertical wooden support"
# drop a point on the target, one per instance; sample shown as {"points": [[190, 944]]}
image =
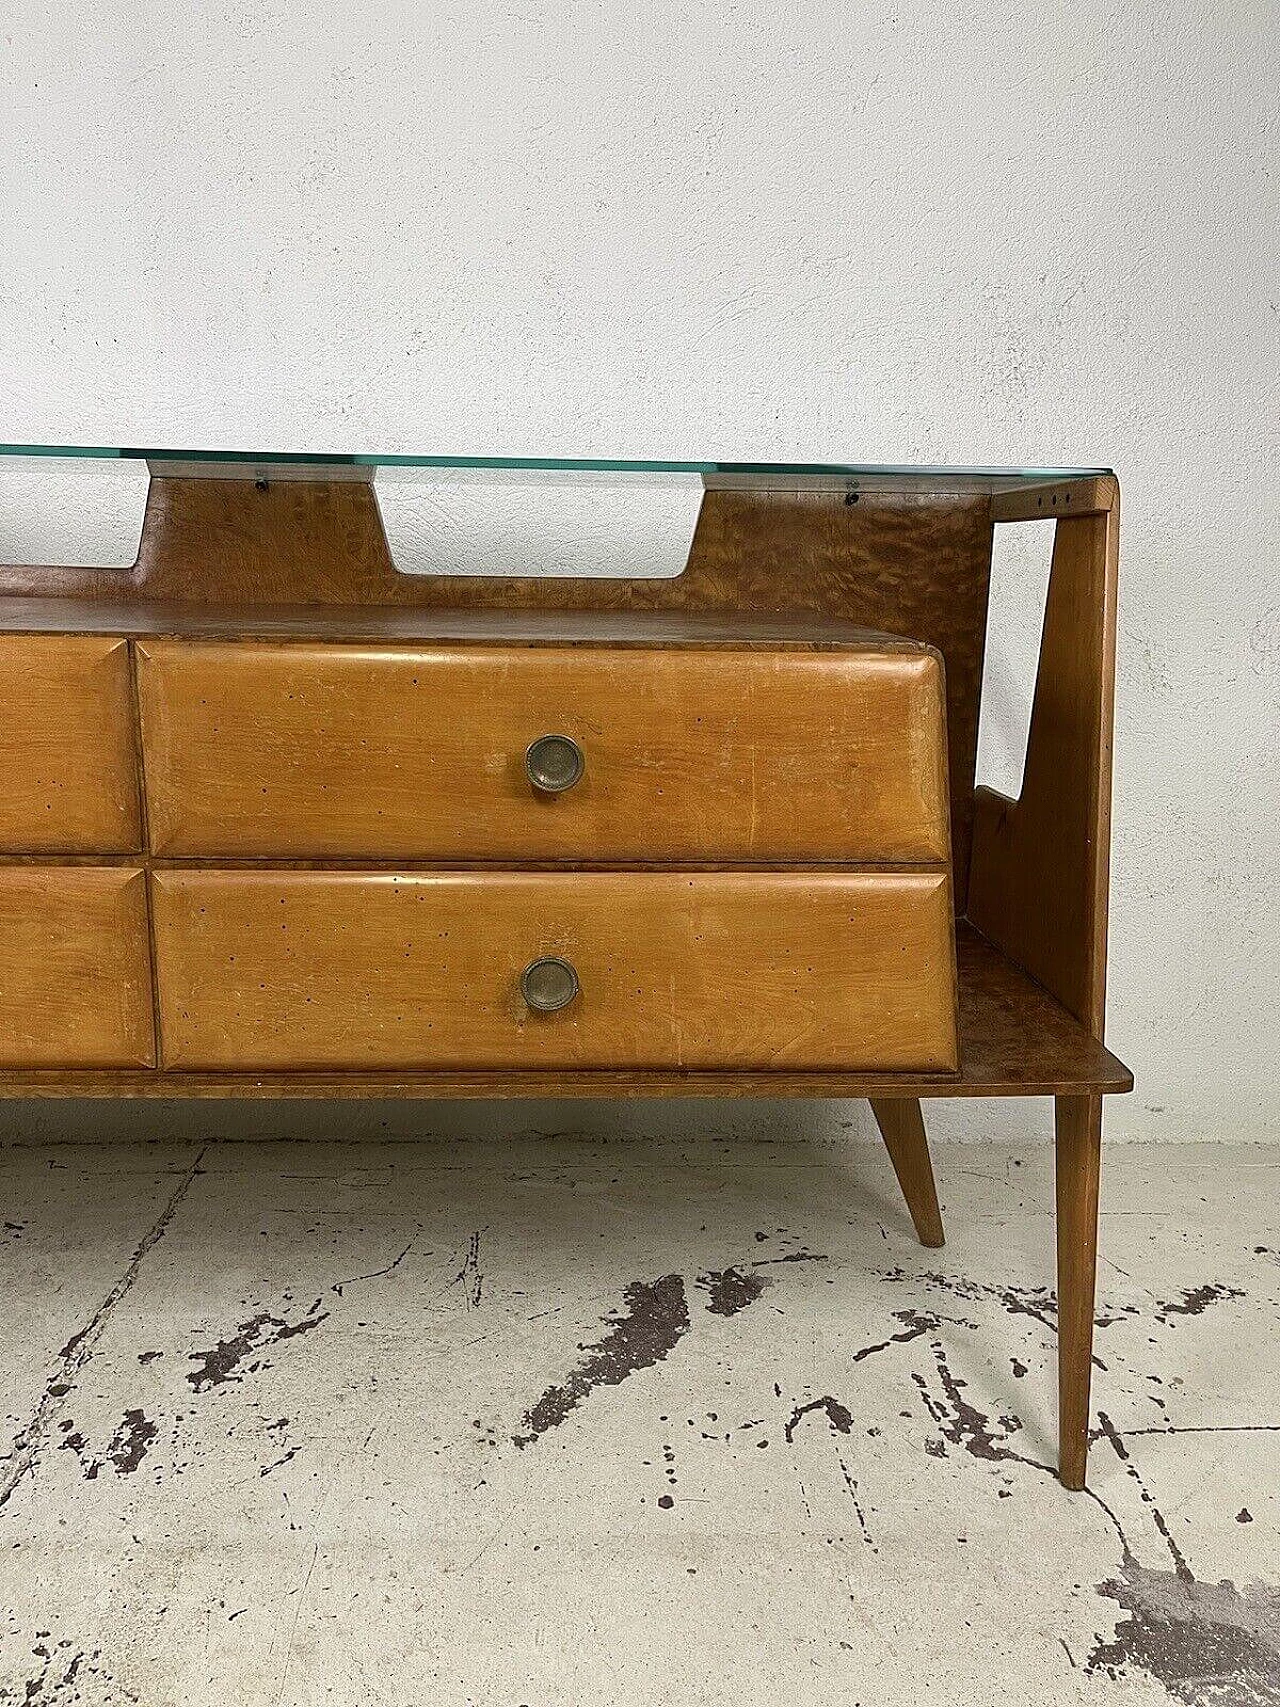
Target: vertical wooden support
{"points": [[902, 1128], [1078, 1122], [1038, 890]]}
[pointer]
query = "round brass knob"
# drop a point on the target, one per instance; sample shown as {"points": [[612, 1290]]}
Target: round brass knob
{"points": [[554, 763], [549, 984]]}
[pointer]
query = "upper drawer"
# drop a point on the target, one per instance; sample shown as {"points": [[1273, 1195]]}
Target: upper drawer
{"points": [[66, 746], [326, 751]]}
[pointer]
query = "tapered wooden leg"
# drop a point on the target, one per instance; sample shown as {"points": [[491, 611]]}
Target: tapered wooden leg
{"points": [[1078, 1122], [902, 1128]]}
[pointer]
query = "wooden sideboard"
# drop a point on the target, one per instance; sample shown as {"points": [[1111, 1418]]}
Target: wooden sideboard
{"points": [[280, 820]]}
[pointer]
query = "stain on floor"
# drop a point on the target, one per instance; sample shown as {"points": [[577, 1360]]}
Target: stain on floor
{"points": [[240, 1352], [543, 1420], [123, 1453], [653, 1318], [1209, 1644]]}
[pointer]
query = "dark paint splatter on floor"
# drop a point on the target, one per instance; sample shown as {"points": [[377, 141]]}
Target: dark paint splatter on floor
{"points": [[1209, 1644], [963, 1424], [470, 1276], [731, 1289], [852, 1486], [63, 1672], [655, 1318], [278, 1434], [73, 1440], [220, 1362], [669, 1462], [838, 1415], [130, 1442], [126, 1449], [1040, 1303], [1195, 1301], [661, 1311], [792, 1256], [279, 1463], [339, 1286], [914, 1324], [1037, 1302]]}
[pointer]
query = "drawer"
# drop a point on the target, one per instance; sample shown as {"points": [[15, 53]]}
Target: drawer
{"points": [[312, 751], [675, 969], [67, 746], [75, 990]]}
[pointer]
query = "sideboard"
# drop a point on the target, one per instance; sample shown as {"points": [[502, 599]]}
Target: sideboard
{"points": [[281, 820]]}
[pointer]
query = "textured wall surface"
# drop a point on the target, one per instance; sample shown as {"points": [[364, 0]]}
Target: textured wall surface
{"points": [[891, 232]]}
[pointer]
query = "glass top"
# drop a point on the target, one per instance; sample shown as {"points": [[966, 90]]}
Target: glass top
{"points": [[319, 465]]}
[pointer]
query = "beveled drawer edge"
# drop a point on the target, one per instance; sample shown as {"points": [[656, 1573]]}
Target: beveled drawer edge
{"points": [[43, 853], [132, 894]]}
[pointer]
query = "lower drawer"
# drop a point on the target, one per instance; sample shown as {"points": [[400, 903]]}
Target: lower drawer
{"points": [[848, 970], [75, 980]]}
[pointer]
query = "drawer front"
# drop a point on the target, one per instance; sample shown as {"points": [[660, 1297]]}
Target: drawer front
{"points": [[75, 990], [67, 762], [353, 969], [313, 752]]}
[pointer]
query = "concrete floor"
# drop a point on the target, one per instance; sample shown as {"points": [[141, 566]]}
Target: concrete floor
{"points": [[564, 1422]]}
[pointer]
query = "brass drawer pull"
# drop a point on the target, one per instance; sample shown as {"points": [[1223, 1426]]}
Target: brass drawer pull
{"points": [[549, 984], [554, 763]]}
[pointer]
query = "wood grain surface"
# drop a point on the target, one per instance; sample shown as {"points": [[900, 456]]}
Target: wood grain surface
{"points": [[305, 751], [349, 969], [68, 776], [76, 984]]}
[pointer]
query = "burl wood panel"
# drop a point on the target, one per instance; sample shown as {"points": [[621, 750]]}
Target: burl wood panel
{"points": [[314, 752], [916, 566], [354, 969], [68, 778], [75, 990]]}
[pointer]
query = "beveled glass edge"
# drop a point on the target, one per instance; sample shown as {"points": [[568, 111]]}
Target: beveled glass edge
{"points": [[313, 464]]}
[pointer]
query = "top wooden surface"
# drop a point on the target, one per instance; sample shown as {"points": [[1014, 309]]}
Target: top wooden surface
{"points": [[142, 618]]}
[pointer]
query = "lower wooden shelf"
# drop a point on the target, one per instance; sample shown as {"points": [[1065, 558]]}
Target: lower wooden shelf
{"points": [[1015, 1040]]}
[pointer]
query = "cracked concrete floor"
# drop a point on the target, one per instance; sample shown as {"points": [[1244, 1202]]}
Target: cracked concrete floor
{"points": [[554, 1421]]}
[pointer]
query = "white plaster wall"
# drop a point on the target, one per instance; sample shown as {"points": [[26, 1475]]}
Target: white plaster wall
{"points": [[878, 232]]}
